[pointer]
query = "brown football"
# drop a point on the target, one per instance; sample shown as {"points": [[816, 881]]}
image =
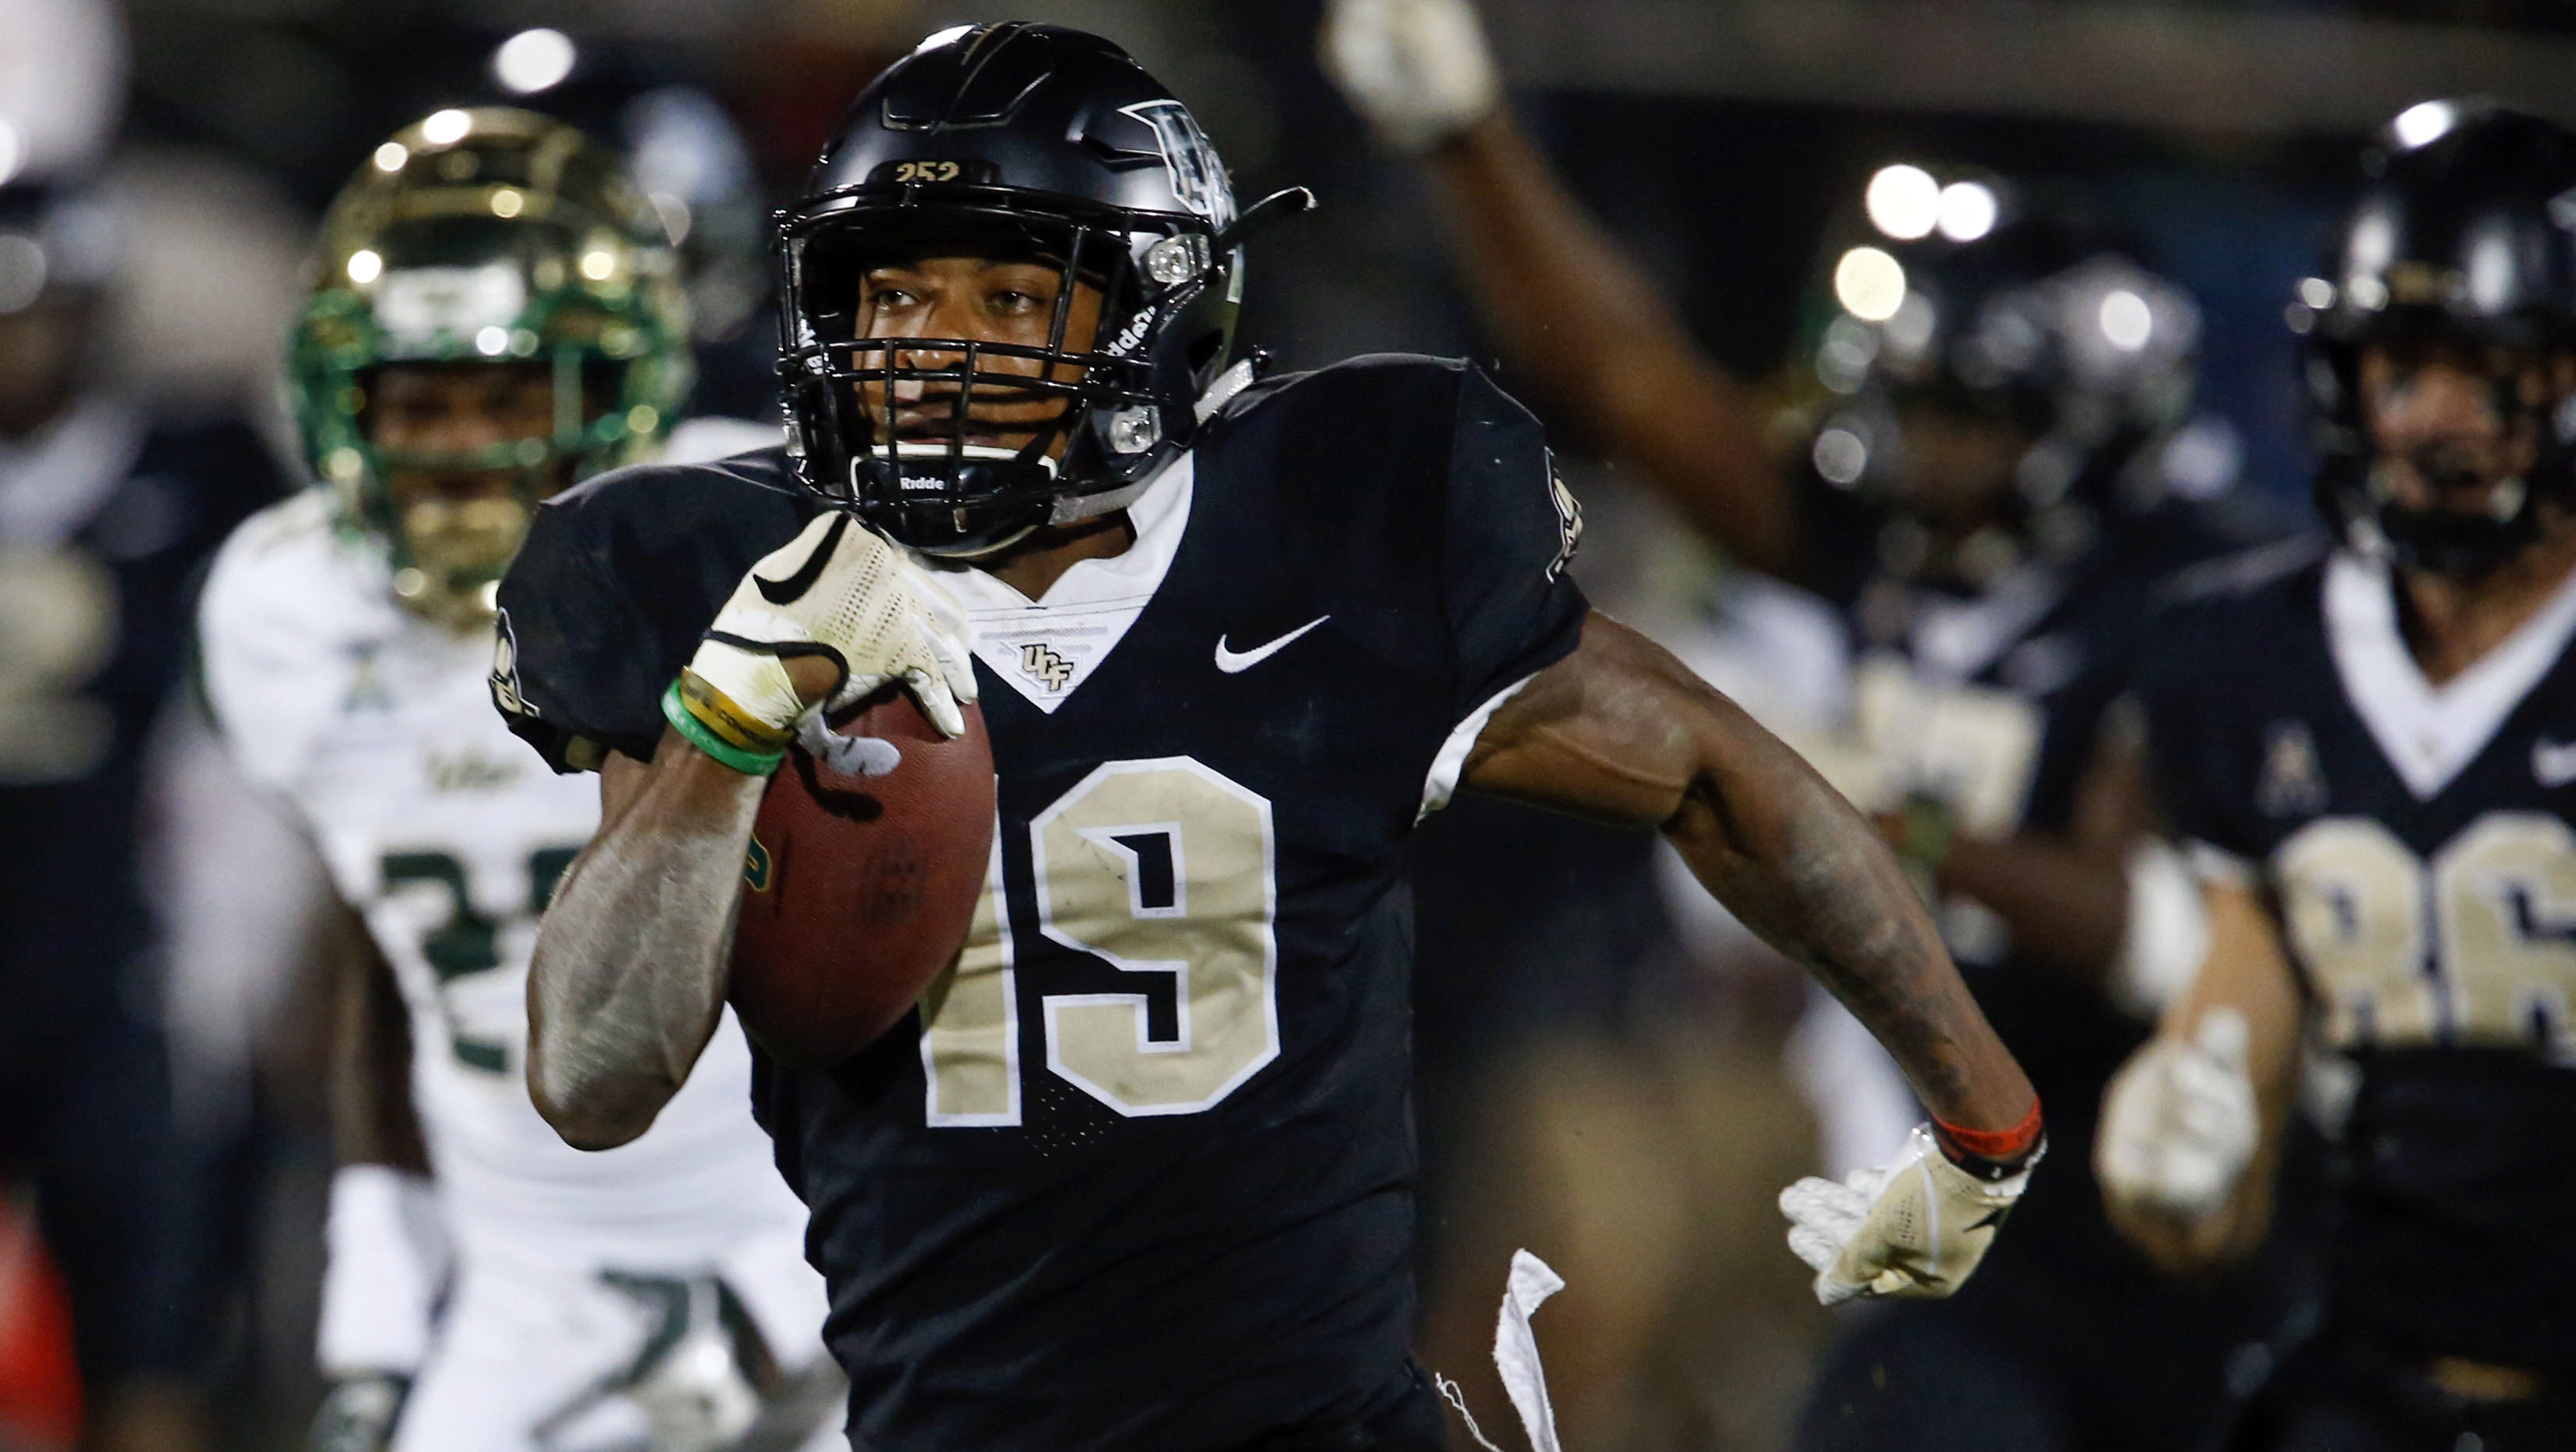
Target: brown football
{"points": [[858, 890]]}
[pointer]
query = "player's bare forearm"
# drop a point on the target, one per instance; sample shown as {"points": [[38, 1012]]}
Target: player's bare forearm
{"points": [[1621, 732], [628, 980], [1571, 310], [373, 1120]]}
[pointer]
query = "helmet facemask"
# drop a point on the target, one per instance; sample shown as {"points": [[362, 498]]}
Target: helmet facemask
{"points": [[453, 516], [2476, 503], [2458, 257], [962, 446]]}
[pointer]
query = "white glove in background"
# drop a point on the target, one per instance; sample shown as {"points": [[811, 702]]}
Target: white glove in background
{"points": [[1417, 70], [838, 584], [2179, 1125], [1914, 1229], [389, 1260]]}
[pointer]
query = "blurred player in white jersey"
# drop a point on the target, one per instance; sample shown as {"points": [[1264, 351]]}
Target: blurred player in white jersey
{"points": [[494, 313]]}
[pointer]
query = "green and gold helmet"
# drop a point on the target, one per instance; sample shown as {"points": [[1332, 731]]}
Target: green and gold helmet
{"points": [[486, 236]]}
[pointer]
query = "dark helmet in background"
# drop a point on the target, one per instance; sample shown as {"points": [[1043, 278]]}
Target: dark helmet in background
{"points": [[2033, 322], [1026, 141], [2466, 235]]}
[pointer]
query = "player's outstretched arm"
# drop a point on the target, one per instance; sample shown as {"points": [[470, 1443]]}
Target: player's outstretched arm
{"points": [[1567, 306], [2191, 1129], [1621, 732]]}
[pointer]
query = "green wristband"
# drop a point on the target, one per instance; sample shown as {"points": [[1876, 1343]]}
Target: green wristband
{"points": [[749, 763]]}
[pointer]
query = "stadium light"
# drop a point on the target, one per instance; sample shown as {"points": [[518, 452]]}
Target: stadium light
{"points": [[533, 61], [446, 128], [2126, 320], [2425, 122], [1968, 211], [1903, 202], [1841, 457], [1869, 284]]}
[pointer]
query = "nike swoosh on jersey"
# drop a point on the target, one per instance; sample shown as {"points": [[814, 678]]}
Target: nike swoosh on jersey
{"points": [[1230, 661], [793, 588], [2553, 762]]}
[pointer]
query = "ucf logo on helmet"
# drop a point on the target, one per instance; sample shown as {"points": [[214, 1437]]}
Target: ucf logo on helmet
{"points": [[1198, 178]]}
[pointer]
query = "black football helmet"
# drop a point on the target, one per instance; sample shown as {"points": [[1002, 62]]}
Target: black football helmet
{"points": [[2465, 234], [1010, 140], [2042, 323]]}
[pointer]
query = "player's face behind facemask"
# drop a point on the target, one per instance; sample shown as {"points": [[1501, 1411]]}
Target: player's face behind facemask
{"points": [[977, 346], [464, 449], [2456, 431]]}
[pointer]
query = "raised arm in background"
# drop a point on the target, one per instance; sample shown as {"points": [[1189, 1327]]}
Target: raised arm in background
{"points": [[1569, 309], [1572, 312]]}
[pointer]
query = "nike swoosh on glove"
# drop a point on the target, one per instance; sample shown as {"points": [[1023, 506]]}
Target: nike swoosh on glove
{"points": [[843, 592], [1417, 70], [1913, 1229], [2179, 1124]]}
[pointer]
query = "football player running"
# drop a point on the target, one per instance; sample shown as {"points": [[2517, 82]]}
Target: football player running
{"points": [[493, 314], [2374, 755], [2003, 477], [1141, 1177]]}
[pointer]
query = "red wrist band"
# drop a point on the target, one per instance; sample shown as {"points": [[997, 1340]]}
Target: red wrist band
{"points": [[2002, 1146]]}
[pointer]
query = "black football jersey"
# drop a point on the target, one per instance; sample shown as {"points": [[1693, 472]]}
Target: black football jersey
{"points": [[2417, 842], [1140, 1172]]}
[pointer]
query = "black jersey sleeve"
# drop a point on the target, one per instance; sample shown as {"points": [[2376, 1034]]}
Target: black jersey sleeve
{"points": [[1509, 533], [612, 590]]}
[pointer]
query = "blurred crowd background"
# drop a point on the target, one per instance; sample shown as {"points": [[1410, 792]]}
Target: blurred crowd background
{"points": [[1599, 1084]]}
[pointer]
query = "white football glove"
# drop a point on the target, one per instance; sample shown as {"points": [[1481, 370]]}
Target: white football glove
{"points": [[841, 591], [1914, 1228], [2179, 1125], [1417, 70]]}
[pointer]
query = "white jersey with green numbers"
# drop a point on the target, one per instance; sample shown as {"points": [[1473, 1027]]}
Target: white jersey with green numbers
{"points": [[377, 731]]}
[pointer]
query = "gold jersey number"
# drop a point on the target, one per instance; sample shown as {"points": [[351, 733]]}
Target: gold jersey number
{"points": [[1161, 867], [2476, 946]]}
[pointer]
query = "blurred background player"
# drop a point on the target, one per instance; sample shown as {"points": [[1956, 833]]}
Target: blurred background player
{"points": [[2373, 754], [1994, 486], [494, 312], [106, 512]]}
